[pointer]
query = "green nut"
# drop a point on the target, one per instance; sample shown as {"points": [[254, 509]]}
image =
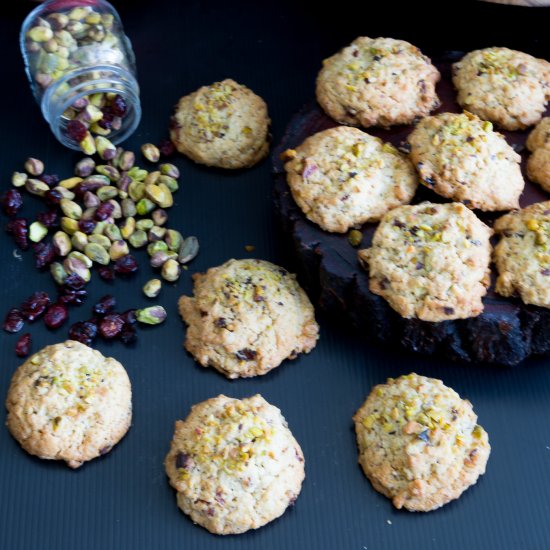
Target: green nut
{"points": [[158, 246], [79, 240], [19, 179], [71, 209], [137, 174], [85, 167], [171, 270], [126, 160], [128, 227], [156, 233], [105, 149], [37, 231], [117, 211], [152, 288], [159, 258], [136, 190], [160, 217], [36, 187], [153, 315], [97, 180], [159, 194], [65, 193], [171, 183], [96, 129], [355, 237], [99, 228], [71, 183], [152, 177], [110, 171], [150, 152], [62, 243], [173, 239], [76, 14], [107, 192], [88, 145], [118, 249], [96, 253], [102, 240], [69, 225], [168, 169], [74, 265], [86, 260], [58, 273], [145, 224], [58, 20], [144, 206], [40, 34], [128, 207], [188, 250], [138, 238], [113, 232]]}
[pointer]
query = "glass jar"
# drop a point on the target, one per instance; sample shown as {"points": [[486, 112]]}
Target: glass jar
{"points": [[82, 71]]}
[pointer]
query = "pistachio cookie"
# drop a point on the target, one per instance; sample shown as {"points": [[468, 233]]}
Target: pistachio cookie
{"points": [[69, 402], [235, 464], [460, 157], [522, 255], [538, 164], [246, 317], [430, 261], [507, 87], [377, 82], [224, 124], [343, 177], [419, 442]]}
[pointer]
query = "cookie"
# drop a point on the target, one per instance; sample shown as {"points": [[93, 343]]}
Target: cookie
{"points": [[69, 402], [522, 255], [430, 261], [343, 177], [246, 317], [235, 464], [507, 87], [419, 442], [224, 124], [538, 164], [461, 158], [377, 82]]}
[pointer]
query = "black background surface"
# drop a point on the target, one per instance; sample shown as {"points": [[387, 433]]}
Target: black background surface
{"points": [[123, 500]]}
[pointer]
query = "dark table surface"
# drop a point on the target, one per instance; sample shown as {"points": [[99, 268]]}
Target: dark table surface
{"points": [[123, 501]]}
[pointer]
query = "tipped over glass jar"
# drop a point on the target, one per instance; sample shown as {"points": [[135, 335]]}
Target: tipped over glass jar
{"points": [[82, 71]]}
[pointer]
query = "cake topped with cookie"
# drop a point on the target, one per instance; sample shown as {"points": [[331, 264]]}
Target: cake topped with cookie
{"points": [[507, 87], [377, 82], [462, 158]]}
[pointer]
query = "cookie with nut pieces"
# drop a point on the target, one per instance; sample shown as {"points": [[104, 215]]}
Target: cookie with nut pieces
{"points": [[538, 163]]}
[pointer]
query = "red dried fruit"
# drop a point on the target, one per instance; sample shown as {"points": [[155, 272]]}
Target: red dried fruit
{"points": [[51, 180], [20, 231], [14, 320], [111, 326], [105, 305], [246, 354], [106, 273], [118, 107], [166, 148], [53, 197], [76, 130], [83, 332], [129, 317], [49, 218], [126, 265], [74, 281], [103, 211], [44, 254], [106, 121], [127, 334], [55, 316], [35, 305], [86, 226], [23, 345], [70, 296], [12, 201]]}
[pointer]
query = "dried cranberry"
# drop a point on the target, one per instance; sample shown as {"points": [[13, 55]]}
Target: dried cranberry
{"points": [[12, 201], [105, 305], [23, 346], [106, 121], [127, 334], [126, 265], [118, 107], [76, 130], [70, 296], [35, 305], [129, 317], [51, 180], [106, 273], [111, 326], [103, 211], [14, 320], [246, 354], [44, 254], [20, 231], [55, 316], [74, 281], [166, 148], [53, 197], [49, 218], [86, 226], [84, 332]]}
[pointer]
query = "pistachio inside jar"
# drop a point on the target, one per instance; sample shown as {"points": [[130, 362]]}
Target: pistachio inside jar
{"points": [[82, 71]]}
